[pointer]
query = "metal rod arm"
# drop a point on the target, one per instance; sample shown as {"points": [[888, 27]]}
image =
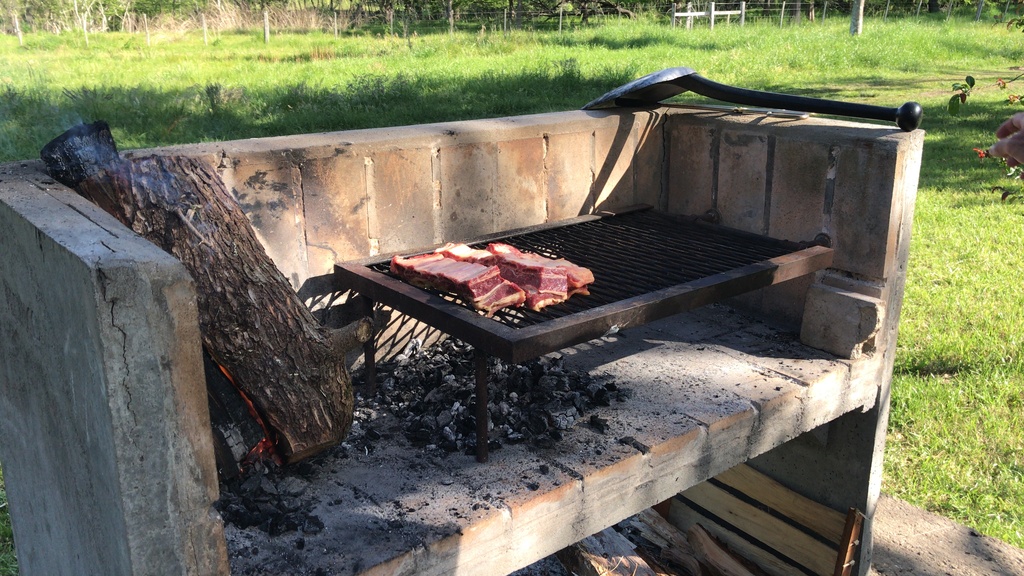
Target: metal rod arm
{"points": [[907, 116]]}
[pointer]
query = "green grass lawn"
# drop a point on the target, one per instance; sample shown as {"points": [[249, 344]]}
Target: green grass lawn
{"points": [[955, 446], [8, 565]]}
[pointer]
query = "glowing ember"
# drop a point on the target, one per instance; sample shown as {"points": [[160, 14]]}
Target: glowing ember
{"points": [[264, 449]]}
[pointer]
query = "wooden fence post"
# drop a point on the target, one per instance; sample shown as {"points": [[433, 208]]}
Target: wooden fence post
{"points": [[17, 29], [824, 9], [145, 20], [335, 24], [673, 15], [782, 13], [561, 9], [266, 26], [689, 19], [743, 13], [711, 14]]}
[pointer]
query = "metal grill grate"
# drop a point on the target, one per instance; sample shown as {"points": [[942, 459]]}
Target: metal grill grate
{"points": [[646, 265]]}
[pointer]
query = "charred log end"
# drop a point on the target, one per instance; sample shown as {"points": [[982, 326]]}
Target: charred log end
{"points": [[293, 448], [79, 153]]}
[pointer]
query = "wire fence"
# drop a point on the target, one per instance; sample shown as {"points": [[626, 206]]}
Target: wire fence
{"points": [[709, 13]]}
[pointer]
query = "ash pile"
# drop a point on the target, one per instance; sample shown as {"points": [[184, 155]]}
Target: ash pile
{"points": [[432, 390], [426, 395]]}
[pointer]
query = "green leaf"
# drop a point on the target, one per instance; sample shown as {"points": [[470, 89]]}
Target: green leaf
{"points": [[954, 105], [970, 81]]}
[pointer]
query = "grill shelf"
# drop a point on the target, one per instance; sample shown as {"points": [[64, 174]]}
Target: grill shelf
{"points": [[647, 265]]}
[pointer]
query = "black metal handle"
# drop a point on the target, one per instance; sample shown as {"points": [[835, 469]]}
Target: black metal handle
{"points": [[907, 116]]}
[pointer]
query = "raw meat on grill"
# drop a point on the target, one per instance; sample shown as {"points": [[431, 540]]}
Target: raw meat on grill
{"points": [[481, 285], [467, 254], [546, 281], [577, 277]]}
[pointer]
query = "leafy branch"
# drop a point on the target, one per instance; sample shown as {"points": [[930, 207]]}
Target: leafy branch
{"points": [[961, 91]]}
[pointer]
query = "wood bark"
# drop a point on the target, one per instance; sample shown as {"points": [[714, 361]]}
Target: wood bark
{"points": [[251, 320]]}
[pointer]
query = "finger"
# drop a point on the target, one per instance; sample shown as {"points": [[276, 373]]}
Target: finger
{"points": [[1011, 126], [1012, 147]]}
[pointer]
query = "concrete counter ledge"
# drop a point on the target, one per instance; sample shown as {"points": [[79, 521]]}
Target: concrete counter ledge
{"points": [[708, 389]]}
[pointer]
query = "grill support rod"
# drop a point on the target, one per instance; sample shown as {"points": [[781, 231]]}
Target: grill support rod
{"points": [[482, 416], [370, 353]]}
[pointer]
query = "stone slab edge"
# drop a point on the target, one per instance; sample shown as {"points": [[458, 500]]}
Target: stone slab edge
{"points": [[105, 433]]}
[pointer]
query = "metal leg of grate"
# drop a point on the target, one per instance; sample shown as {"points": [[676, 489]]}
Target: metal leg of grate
{"points": [[482, 415]]}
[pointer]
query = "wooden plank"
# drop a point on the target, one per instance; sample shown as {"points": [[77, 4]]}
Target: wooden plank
{"points": [[762, 526], [818, 518], [684, 517], [710, 553]]}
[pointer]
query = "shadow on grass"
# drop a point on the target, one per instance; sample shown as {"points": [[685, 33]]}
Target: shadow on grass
{"points": [[143, 117]]}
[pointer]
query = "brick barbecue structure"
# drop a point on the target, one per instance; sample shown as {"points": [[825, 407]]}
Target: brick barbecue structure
{"points": [[104, 427]]}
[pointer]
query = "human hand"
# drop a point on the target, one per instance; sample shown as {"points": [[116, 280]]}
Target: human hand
{"points": [[1010, 143]]}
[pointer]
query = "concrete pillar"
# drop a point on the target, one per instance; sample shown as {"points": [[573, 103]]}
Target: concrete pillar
{"points": [[104, 427]]}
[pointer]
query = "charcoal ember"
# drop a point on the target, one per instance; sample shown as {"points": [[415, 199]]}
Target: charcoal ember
{"points": [[282, 524], [444, 418], [563, 420], [433, 391], [312, 524], [267, 509], [470, 448], [268, 497], [537, 422]]}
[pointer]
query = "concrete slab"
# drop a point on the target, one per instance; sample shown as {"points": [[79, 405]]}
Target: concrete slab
{"points": [[910, 541], [707, 390]]}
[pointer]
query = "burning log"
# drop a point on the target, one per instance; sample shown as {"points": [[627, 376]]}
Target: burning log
{"points": [[252, 323]]}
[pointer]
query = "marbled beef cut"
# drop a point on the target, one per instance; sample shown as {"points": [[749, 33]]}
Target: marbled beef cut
{"points": [[481, 285], [546, 281]]}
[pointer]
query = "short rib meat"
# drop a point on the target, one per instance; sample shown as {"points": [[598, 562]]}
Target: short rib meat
{"points": [[481, 285]]}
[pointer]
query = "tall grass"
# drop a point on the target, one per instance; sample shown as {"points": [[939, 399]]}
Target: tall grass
{"points": [[8, 565], [955, 446]]}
